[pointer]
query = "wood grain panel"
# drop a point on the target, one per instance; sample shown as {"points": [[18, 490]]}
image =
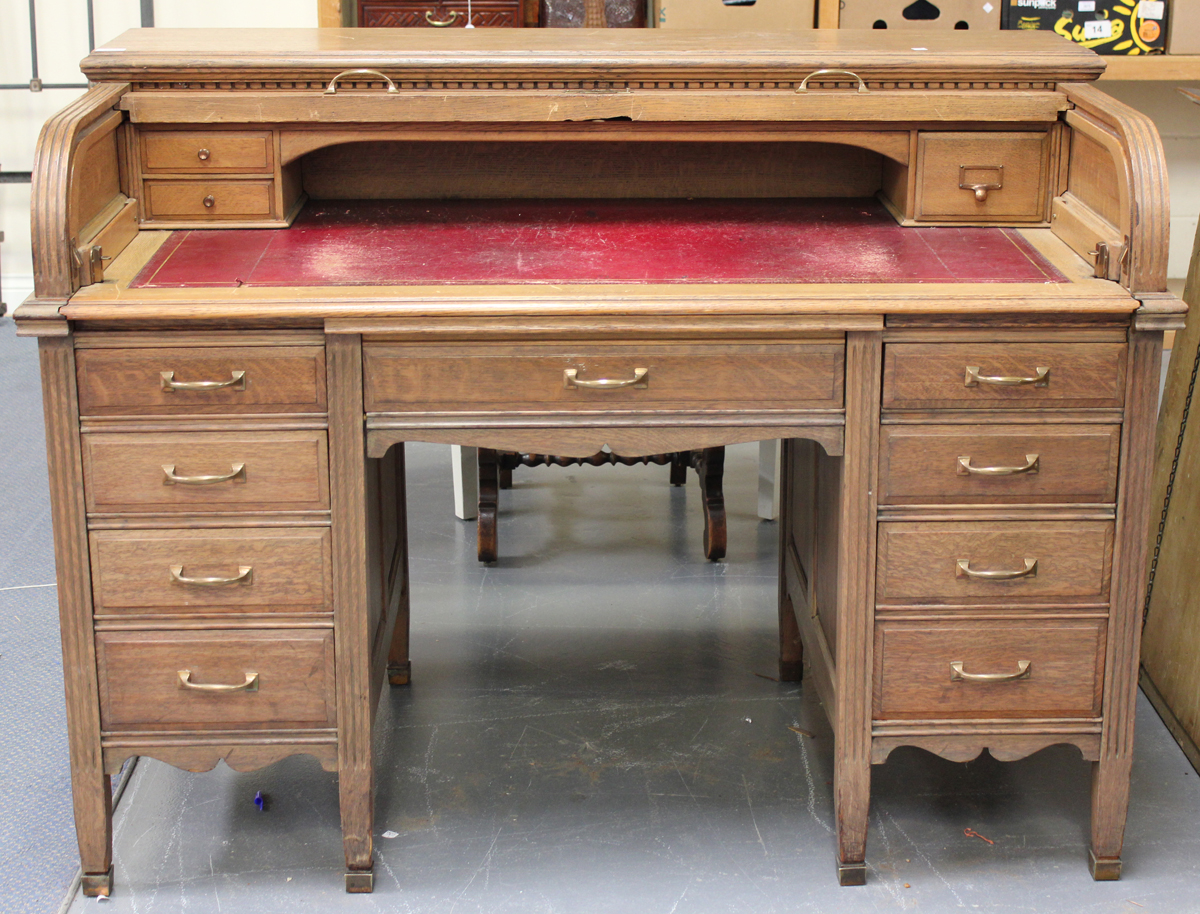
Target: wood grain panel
{"points": [[1072, 463], [798, 375], [128, 382], [934, 375], [282, 471], [231, 200], [913, 674], [918, 562], [291, 571], [140, 687], [225, 151], [1018, 162]]}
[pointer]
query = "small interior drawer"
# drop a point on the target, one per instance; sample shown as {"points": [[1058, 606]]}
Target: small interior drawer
{"points": [[985, 668], [218, 152], [241, 570], [206, 472], [1012, 375], [994, 562], [400, 377], [1000, 464], [439, 13], [279, 678], [206, 201], [982, 177], [247, 379]]}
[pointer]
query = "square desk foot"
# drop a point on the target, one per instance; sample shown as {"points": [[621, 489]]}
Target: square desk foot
{"points": [[852, 874], [360, 882], [1104, 869], [791, 670], [400, 674], [97, 885]]}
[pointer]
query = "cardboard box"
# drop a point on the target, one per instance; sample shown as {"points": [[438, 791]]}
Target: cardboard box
{"points": [[1185, 27], [1106, 26], [737, 16], [972, 15]]}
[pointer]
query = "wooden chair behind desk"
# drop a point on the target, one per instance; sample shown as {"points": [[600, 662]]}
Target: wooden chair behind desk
{"points": [[495, 473]]}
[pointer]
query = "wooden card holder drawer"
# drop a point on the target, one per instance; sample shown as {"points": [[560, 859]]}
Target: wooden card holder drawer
{"points": [[240, 570], [998, 464], [994, 562], [983, 668], [218, 152], [400, 377], [249, 379], [204, 472], [209, 201], [1012, 375], [982, 177], [409, 14], [278, 679]]}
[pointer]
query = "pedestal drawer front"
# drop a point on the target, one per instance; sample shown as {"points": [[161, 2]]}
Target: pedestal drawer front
{"points": [[1012, 375], [994, 562], [257, 570], [1001, 464], [982, 177], [218, 151], [216, 679], [988, 668], [201, 472], [203, 201], [249, 379], [402, 377]]}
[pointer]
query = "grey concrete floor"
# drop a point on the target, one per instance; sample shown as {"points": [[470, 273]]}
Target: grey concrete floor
{"points": [[587, 730]]}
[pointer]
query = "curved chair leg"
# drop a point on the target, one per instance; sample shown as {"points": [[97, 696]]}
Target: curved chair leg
{"points": [[710, 465], [489, 496]]}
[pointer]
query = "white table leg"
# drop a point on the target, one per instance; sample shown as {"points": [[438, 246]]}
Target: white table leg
{"points": [[464, 463], [769, 453]]}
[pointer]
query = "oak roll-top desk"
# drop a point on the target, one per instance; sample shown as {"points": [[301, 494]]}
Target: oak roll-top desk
{"points": [[933, 263]]}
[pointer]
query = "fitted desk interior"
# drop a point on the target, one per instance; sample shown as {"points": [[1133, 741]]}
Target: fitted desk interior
{"points": [[267, 259]]}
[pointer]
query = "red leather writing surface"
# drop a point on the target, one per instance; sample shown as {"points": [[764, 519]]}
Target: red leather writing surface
{"points": [[433, 242]]}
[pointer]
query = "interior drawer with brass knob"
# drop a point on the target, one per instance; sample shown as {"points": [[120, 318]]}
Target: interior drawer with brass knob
{"points": [[998, 464], [1008, 375], [206, 472], [982, 177], [158, 680], [996, 563], [984, 668], [216, 151], [233, 570], [171, 203]]}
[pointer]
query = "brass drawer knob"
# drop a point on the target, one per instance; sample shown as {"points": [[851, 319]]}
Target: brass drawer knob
{"points": [[963, 569], [170, 478], [209, 201], [976, 178], [250, 685], [245, 575], [958, 674], [1040, 378], [237, 381], [203, 155], [966, 469], [571, 380]]}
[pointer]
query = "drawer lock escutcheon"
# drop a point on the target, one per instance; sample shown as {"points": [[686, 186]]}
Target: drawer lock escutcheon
{"points": [[966, 469], [571, 380], [237, 473], [974, 178], [245, 575], [1040, 378], [958, 674], [964, 570], [250, 685], [237, 381]]}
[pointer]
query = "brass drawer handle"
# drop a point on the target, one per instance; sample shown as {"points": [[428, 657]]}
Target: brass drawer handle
{"points": [[245, 575], [1041, 378], [331, 89], [958, 674], [862, 86], [965, 571], [209, 201], [1030, 468], [237, 471], [571, 380], [250, 685], [237, 381], [980, 188], [441, 23], [203, 155]]}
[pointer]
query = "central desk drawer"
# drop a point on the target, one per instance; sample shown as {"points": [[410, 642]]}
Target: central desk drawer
{"points": [[280, 678], [199, 472], [242, 570], [988, 668], [994, 562], [402, 377]]}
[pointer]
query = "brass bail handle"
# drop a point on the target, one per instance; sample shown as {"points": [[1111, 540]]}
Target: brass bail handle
{"points": [[331, 89], [862, 86]]}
